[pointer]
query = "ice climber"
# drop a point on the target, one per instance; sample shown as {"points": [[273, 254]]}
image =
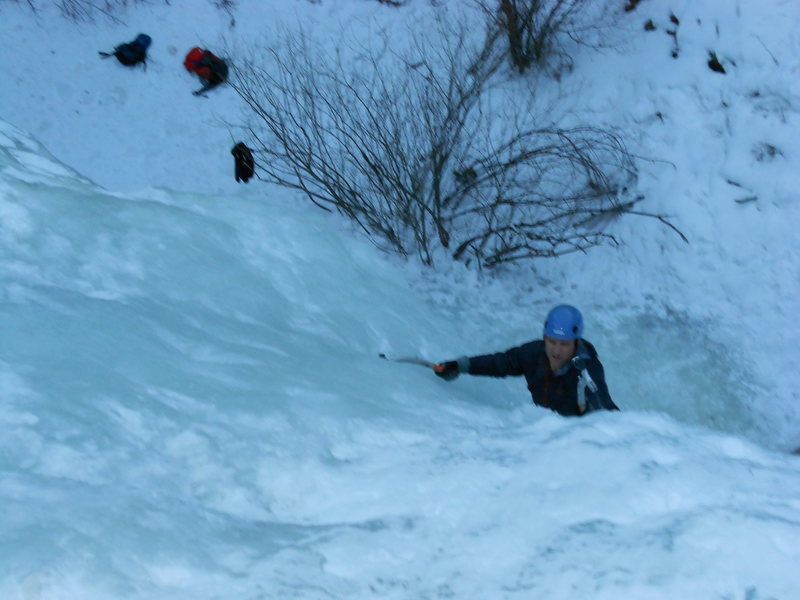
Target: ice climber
{"points": [[562, 370]]}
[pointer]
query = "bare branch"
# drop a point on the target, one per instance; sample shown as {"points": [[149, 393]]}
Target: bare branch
{"points": [[420, 149]]}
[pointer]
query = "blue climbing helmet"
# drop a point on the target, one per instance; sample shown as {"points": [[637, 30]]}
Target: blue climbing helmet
{"points": [[564, 322]]}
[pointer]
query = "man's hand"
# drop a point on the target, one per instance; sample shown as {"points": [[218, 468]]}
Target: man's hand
{"points": [[447, 370]]}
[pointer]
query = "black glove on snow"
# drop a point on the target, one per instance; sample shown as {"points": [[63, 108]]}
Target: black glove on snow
{"points": [[446, 370]]}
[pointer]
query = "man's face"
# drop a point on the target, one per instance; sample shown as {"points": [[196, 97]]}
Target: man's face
{"points": [[559, 351]]}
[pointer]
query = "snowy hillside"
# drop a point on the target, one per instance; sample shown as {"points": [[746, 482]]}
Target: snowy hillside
{"points": [[191, 402]]}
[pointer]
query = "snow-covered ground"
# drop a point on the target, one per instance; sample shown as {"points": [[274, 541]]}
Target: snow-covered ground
{"points": [[191, 403]]}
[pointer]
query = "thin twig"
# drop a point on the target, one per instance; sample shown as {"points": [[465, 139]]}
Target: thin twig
{"points": [[663, 220]]}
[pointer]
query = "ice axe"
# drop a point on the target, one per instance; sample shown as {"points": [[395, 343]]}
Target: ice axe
{"points": [[413, 360]]}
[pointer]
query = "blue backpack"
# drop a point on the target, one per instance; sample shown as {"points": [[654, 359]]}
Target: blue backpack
{"points": [[132, 53]]}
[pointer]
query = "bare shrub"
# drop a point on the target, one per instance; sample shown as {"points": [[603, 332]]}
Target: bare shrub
{"points": [[86, 10], [421, 151], [536, 29], [228, 6], [31, 4]]}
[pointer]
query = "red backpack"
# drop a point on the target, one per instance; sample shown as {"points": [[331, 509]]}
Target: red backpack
{"points": [[194, 62]]}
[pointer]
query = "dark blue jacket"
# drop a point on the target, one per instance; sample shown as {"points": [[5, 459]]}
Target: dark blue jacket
{"points": [[556, 391]]}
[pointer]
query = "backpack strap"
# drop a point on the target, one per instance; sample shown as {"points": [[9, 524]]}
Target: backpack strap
{"points": [[587, 388]]}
